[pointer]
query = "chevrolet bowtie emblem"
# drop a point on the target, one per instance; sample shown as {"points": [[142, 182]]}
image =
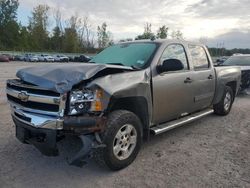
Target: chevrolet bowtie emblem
{"points": [[23, 96]]}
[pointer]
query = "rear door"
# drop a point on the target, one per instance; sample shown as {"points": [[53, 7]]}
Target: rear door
{"points": [[203, 77]]}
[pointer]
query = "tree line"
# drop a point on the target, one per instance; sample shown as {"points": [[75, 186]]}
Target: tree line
{"points": [[73, 35], [216, 52]]}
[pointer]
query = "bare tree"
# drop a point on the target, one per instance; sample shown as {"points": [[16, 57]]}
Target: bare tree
{"points": [[147, 34], [74, 22], [58, 18], [56, 40], [71, 37], [104, 36], [87, 28], [86, 35]]}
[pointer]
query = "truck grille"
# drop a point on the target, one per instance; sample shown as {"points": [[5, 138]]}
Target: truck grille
{"points": [[32, 98]]}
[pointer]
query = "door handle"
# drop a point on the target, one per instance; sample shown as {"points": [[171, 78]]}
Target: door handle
{"points": [[210, 77], [188, 80]]}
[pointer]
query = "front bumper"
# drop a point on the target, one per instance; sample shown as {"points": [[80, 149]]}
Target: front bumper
{"points": [[78, 124], [43, 139], [35, 119], [43, 131]]}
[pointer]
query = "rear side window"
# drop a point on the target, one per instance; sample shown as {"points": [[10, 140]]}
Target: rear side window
{"points": [[175, 51], [199, 57]]}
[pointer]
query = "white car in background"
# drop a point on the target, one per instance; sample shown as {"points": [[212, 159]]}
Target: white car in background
{"points": [[26, 57], [33, 58], [46, 58], [61, 58]]}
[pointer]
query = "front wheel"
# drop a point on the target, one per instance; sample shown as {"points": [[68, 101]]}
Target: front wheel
{"points": [[225, 105], [123, 139]]}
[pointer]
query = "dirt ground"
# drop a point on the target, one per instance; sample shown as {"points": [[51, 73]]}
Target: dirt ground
{"points": [[211, 152]]}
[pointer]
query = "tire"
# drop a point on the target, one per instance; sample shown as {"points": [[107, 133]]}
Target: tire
{"points": [[123, 122], [225, 105]]}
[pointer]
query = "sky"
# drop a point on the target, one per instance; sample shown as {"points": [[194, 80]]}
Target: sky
{"points": [[216, 23]]}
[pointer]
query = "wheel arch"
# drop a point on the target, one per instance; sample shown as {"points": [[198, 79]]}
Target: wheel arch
{"points": [[138, 105], [233, 86]]}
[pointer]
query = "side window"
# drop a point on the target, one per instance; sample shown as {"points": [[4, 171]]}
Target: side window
{"points": [[199, 57], [175, 51]]}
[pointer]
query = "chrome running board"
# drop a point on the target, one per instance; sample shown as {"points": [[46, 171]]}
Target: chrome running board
{"points": [[179, 122]]}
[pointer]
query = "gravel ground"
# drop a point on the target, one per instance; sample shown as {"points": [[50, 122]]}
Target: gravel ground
{"points": [[211, 152]]}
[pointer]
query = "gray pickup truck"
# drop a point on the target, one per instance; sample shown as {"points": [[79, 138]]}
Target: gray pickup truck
{"points": [[126, 93]]}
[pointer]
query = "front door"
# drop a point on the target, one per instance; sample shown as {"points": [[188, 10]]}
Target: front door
{"points": [[172, 91]]}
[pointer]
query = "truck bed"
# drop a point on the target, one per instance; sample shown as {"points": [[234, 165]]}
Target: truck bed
{"points": [[224, 76]]}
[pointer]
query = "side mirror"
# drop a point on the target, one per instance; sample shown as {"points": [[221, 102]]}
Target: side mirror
{"points": [[170, 65]]}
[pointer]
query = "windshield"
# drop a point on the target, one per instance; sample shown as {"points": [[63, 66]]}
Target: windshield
{"points": [[238, 60], [127, 54]]}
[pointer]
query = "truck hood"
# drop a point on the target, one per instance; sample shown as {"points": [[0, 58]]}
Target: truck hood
{"points": [[61, 78]]}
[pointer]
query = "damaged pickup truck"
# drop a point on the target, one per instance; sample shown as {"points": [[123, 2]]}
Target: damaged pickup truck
{"points": [[126, 93]]}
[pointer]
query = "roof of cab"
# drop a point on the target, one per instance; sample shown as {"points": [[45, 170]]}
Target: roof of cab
{"points": [[161, 41]]}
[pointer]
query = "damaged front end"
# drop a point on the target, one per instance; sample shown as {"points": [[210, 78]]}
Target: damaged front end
{"points": [[48, 105], [43, 117]]}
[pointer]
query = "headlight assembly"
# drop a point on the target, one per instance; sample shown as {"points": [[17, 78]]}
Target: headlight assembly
{"points": [[82, 101]]}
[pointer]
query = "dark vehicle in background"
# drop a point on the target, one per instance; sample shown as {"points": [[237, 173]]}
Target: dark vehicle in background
{"points": [[221, 60], [4, 58], [71, 58], [18, 58], [243, 61], [82, 58], [21, 58]]}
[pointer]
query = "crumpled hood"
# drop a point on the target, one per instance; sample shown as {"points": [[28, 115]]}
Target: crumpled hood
{"points": [[61, 78]]}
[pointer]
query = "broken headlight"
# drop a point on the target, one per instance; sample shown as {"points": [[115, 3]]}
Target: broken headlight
{"points": [[83, 101]]}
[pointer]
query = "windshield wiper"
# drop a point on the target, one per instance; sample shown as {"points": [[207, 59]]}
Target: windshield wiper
{"points": [[135, 67], [132, 66], [116, 64]]}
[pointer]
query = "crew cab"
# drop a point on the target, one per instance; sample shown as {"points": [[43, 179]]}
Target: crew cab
{"points": [[125, 94]]}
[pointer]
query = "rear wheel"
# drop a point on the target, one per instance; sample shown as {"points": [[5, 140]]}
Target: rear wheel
{"points": [[225, 105], [123, 139]]}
